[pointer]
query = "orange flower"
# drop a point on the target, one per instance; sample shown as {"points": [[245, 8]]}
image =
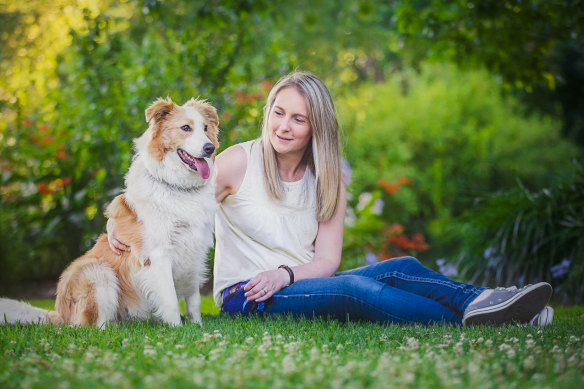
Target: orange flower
{"points": [[394, 229], [47, 140], [266, 85], [61, 155], [27, 122], [388, 187], [418, 238], [44, 128], [240, 95], [44, 188], [405, 181], [382, 182], [392, 188], [225, 115]]}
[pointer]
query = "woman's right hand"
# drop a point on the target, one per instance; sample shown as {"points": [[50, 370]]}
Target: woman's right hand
{"points": [[117, 246]]}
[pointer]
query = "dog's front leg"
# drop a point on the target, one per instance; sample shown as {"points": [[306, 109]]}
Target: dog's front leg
{"points": [[159, 290], [193, 304]]}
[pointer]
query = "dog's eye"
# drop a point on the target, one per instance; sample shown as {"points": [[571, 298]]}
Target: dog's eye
{"points": [[186, 128], [205, 128]]}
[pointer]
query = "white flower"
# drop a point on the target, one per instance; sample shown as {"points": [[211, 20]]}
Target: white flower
{"points": [[364, 200]]}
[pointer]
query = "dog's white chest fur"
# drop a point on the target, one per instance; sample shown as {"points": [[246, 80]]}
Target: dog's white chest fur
{"points": [[178, 229]]}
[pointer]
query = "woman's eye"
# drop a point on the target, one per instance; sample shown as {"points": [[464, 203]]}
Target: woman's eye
{"points": [[278, 113], [300, 120], [205, 128], [187, 128]]}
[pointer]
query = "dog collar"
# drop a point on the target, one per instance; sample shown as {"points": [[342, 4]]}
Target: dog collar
{"points": [[192, 189]]}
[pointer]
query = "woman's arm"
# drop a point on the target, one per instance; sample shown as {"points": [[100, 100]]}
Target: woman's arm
{"points": [[328, 248], [230, 167]]}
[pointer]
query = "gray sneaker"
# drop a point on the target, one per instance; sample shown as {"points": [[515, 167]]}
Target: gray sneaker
{"points": [[544, 318], [506, 305]]}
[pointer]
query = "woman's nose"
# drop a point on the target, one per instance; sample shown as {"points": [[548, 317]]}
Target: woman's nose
{"points": [[284, 124]]}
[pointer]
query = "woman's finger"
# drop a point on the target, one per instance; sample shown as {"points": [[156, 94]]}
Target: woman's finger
{"points": [[113, 248], [261, 293], [121, 245], [264, 296]]}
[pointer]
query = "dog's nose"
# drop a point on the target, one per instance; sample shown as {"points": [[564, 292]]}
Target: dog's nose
{"points": [[208, 148]]}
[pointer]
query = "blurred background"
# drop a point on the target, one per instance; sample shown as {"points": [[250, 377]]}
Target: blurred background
{"points": [[463, 122]]}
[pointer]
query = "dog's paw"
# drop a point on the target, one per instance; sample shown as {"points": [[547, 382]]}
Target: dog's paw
{"points": [[195, 318]]}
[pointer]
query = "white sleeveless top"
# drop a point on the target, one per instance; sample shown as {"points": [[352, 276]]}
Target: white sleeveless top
{"points": [[255, 233]]}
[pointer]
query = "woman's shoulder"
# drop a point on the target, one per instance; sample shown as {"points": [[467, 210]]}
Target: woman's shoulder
{"points": [[231, 166]]}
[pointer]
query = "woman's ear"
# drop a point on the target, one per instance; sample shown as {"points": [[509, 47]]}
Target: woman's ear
{"points": [[159, 109]]}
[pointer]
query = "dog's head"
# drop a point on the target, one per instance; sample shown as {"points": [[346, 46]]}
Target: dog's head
{"points": [[181, 141]]}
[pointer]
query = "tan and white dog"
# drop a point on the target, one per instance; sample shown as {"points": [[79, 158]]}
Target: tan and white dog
{"points": [[166, 215]]}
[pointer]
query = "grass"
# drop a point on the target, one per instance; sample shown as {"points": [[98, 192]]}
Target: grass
{"points": [[287, 352]]}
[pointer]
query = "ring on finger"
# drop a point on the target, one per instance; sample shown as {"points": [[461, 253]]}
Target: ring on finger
{"points": [[265, 290]]}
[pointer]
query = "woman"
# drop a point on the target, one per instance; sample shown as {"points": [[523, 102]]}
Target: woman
{"points": [[279, 231]]}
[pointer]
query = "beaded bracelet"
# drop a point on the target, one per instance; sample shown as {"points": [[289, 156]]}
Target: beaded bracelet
{"points": [[290, 273]]}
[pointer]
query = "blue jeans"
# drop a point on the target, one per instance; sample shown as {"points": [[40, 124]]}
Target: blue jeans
{"points": [[399, 290]]}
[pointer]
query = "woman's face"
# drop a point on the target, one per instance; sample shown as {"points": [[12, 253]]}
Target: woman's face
{"points": [[288, 123]]}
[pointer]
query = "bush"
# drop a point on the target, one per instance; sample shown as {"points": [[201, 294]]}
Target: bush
{"points": [[452, 137], [66, 143], [521, 236]]}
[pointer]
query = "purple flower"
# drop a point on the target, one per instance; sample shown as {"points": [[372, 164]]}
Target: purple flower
{"points": [[377, 207], [347, 171], [446, 268], [371, 259], [562, 269]]}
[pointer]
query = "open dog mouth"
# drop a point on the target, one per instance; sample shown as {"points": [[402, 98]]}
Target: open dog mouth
{"points": [[196, 164]]}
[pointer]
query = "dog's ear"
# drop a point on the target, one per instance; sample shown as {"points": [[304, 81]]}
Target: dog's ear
{"points": [[207, 110], [210, 113], [159, 109]]}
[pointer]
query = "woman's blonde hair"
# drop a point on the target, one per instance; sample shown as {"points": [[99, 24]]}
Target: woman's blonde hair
{"points": [[323, 153]]}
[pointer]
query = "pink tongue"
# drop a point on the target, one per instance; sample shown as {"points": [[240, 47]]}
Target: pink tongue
{"points": [[202, 167]]}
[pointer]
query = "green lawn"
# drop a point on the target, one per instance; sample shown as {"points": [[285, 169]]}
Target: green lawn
{"points": [[286, 352]]}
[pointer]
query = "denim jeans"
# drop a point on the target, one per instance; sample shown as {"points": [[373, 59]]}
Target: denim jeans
{"points": [[399, 290]]}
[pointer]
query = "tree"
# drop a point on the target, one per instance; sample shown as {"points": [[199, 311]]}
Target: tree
{"points": [[534, 44]]}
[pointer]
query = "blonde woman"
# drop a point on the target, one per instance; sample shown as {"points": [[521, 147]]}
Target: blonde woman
{"points": [[279, 231]]}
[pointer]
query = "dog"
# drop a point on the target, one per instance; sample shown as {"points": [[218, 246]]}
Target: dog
{"points": [[166, 214]]}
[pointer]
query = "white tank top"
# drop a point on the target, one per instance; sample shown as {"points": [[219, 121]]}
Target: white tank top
{"points": [[255, 233]]}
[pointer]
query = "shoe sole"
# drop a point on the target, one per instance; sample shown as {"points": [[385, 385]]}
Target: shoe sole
{"points": [[520, 308], [546, 317]]}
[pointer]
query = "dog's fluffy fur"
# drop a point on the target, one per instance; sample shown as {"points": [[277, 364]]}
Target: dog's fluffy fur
{"points": [[165, 215]]}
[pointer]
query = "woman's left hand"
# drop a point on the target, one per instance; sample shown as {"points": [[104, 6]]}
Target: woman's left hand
{"points": [[265, 284]]}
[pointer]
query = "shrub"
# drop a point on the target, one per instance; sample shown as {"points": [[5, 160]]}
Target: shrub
{"points": [[521, 236], [453, 136]]}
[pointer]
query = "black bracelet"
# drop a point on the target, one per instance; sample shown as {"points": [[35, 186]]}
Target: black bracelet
{"points": [[290, 273]]}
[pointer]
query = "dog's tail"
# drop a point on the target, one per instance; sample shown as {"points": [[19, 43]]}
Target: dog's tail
{"points": [[13, 311]]}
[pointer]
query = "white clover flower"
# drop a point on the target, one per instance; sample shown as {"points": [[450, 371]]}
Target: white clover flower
{"points": [[529, 363]]}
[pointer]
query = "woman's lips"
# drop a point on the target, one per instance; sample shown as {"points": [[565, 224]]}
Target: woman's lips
{"points": [[283, 139]]}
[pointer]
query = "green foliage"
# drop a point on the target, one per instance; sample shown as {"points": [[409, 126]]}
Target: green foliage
{"points": [[535, 46], [510, 37], [61, 164], [433, 132], [286, 352], [528, 235]]}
